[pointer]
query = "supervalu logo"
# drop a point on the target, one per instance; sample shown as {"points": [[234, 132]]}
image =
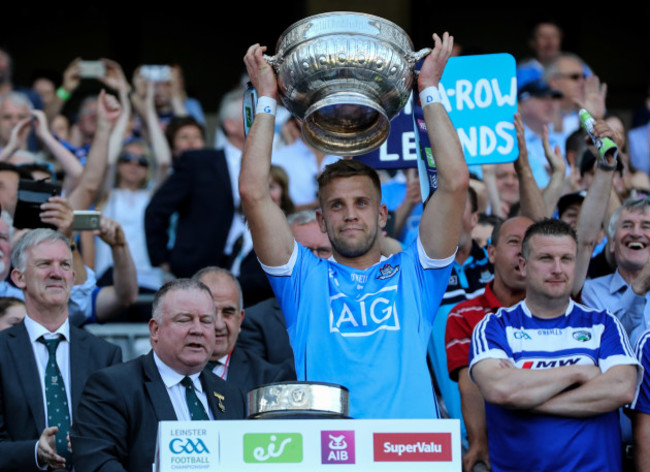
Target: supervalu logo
{"points": [[412, 447]]}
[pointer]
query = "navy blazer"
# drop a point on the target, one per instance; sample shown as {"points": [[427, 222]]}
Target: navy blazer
{"points": [[264, 332], [22, 415]]}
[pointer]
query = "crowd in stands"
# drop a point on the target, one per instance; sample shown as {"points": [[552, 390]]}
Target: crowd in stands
{"points": [[171, 208]]}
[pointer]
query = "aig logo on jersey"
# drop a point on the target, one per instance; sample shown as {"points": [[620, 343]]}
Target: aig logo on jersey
{"points": [[365, 315]]}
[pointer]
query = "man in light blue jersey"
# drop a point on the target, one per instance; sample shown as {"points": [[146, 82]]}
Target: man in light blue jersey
{"points": [[551, 368], [358, 319]]}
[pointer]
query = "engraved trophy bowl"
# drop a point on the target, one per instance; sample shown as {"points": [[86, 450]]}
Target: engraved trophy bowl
{"points": [[345, 75], [285, 400]]}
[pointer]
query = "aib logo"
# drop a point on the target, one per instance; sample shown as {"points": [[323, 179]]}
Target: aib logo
{"points": [[337, 447], [272, 448], [187, 446]]}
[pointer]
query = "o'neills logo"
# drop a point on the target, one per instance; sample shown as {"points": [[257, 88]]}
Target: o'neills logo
{"points": [[412, 447]]}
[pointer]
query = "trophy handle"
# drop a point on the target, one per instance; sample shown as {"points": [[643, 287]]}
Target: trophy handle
{"points": [[275, 61], [414, 57]]}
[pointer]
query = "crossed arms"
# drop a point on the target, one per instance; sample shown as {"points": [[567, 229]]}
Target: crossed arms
{"points": [[545, 391]]}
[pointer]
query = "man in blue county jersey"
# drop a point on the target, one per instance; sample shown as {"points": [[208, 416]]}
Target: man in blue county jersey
{"points": [[358, 319], [553, 373]]}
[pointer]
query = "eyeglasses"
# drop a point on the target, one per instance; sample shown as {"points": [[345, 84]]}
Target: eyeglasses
{"points": [[127, 157], [575, 76]]}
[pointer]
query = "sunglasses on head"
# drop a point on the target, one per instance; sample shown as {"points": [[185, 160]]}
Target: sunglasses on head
{"points": [[126, 157]]}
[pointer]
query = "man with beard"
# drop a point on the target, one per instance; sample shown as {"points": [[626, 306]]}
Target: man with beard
{"points": [[356, 312]]}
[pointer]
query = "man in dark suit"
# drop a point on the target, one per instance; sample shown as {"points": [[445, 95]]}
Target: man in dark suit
{"points": [[121, 406], [31, 435], [264, 332], [200, 191], [236, 365]]}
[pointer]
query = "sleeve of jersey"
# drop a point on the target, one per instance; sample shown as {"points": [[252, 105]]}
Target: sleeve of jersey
{"points": [[615, 346], [286, 280], [458, 337], [433, 277], [642, 400], [489, 341]]}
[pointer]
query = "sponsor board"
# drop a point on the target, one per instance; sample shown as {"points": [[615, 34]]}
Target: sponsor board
{"points": [[320, 445]]}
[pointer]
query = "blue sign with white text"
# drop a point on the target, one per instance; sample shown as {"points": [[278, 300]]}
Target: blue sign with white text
{"points": [[480, 95]]}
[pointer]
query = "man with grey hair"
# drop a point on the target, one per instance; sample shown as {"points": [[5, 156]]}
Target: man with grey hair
{"points": [[233, 363], [120, 407], [14, 107], [44, 360], [625, 292], [87, 302]]}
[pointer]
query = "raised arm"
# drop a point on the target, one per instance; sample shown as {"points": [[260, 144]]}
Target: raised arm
{"points": [[159, 145], [178, 94], [70, 83], [108, 111], [530, 196], [124, 291], [593, 213], [490, 181], [272, 237], [411, 199], [555, 187], [116, 80], [58, 211], [69, 162], [17, 138], [440, 224]]}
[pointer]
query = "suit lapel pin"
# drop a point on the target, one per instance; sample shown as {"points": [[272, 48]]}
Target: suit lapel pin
{"points": [[221, 398]]}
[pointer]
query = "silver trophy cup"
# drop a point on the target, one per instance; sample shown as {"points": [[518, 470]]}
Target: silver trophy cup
{"points": [[345, 75]]}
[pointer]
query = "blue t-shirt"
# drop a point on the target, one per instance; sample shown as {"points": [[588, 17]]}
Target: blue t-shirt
{"points": [[521, 440], [365, 329]]}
